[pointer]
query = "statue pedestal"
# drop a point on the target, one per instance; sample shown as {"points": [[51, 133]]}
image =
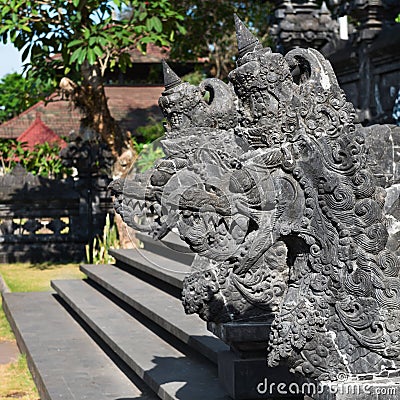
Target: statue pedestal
{"points": [[243, 370]]}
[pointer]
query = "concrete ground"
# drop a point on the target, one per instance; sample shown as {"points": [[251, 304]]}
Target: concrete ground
{"points": [[8, 352]]}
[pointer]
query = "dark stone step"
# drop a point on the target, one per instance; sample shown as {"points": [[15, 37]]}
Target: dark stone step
{"points": [[65, 362], [163, 309], [170, 373], [154, 265], [170, 247]]}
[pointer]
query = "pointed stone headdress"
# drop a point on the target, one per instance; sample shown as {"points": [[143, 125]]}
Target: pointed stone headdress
{"points": [[246, 41], [171, 79]]}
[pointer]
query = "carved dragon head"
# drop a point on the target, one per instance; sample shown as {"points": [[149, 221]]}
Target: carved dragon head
{"points": [[268, 183]]}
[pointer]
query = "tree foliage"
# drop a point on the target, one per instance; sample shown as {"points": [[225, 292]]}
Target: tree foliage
{"points": [[17, 93], [78, 40], [210, 30], [60, 36]]}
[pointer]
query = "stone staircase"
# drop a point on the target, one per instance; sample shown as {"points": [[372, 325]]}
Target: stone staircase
{"points": [[120, 334]]}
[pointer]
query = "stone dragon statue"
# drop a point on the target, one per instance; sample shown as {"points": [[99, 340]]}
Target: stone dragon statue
{"points": [[269, 182]]}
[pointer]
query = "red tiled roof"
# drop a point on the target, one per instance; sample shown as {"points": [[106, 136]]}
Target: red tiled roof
{"points": [[130, 106], [154, 54], [39, 133], [134, 106], [57, 114]]}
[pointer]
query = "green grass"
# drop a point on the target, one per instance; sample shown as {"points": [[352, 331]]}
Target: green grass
{"points": [[15, 378], [36, 277], [5, 330], [16, 381]]}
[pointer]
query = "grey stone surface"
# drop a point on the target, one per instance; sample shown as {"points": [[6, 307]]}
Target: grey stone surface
{"points": [[241, 332], [371, 16], [170, 247], [299, 23], [251, 378], [367, 65], [171, 374], [159, 267], [34, 229], [162, 308], [247, 339], [64, 360]]}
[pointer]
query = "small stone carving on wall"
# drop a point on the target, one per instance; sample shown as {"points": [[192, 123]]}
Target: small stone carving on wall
{"points": [[268, 181]]}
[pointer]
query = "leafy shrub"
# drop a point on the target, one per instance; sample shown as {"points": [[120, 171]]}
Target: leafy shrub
{"points": [[101, 245], [146, 145], [44, 160], [148, 156], [195, 77], [147, 134]]}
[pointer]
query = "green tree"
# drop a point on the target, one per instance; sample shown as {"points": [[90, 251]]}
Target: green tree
{"points": [[210, 30], [43, 160], [17, 93], [73, 43]]}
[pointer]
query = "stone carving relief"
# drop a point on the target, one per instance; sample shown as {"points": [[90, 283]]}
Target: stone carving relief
{"points": [[268, 181], [371, 14], [299, 23]]}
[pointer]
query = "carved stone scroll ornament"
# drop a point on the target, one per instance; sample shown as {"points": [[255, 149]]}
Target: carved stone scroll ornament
{"points": [[268, 183]]}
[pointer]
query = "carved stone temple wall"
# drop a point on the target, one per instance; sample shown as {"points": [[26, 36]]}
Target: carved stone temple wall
{"points": [[299, 23], [367, 65], [292, 210], [44, 219]]}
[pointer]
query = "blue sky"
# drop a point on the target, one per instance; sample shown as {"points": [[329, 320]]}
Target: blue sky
{"points": [[10, 60]]}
